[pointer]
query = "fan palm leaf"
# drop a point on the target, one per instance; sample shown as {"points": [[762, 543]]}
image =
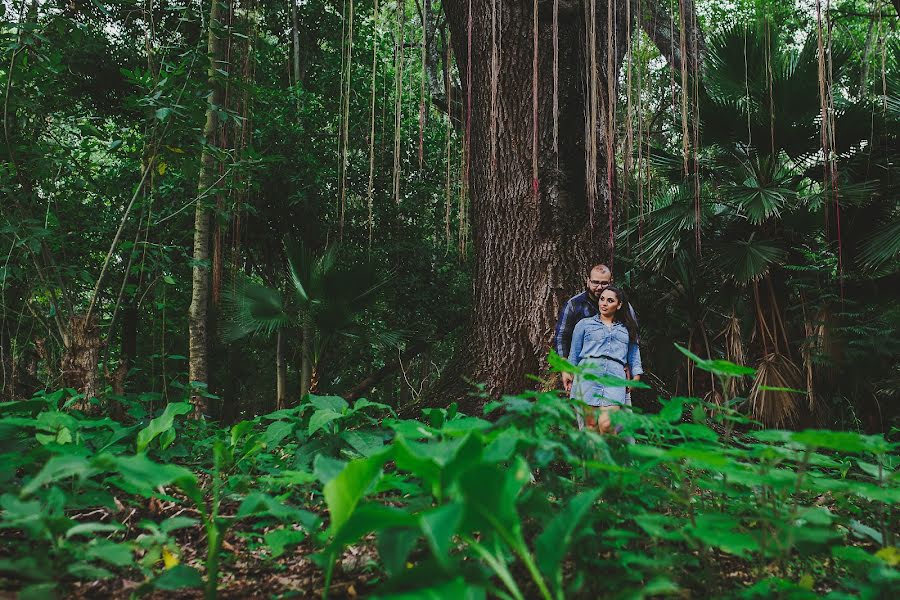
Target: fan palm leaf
{"points": [[748, 260], [882, 246], [250, 308]]}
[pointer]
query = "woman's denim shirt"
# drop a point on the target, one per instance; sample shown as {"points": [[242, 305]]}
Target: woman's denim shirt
{"points": [[593, 339]]}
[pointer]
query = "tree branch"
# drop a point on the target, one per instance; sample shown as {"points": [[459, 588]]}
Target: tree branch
{"points": [[663, 28]]}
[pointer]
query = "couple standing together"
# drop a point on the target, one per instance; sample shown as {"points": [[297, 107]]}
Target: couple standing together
{"points": [[597, 331]]}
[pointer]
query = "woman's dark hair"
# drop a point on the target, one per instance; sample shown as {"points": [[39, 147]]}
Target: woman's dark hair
{"points": [[623, 315]]}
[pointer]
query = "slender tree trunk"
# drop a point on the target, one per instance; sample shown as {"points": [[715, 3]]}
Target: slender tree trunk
{"points": [[531, 248], [295, 37], [7, 362], [867, 52], [305, 360], [198, 311], [280, 373]]}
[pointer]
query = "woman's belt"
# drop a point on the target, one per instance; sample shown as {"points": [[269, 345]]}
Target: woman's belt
{"points": [[608, 357]]}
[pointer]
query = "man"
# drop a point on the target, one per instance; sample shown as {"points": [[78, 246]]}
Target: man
{"points": [[581, 306]]}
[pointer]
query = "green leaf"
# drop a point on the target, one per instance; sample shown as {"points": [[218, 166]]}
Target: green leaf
{"points": [[490, 493], [369, 517], [39, 591], [162, 423], [119, 555], [178, 577], [394, 546], [863, 530], [553, 543], [843, 441], [344, 492], [83, 570], [335, 403], [261, 504], [321, 418], [140, 475], [279, 540], [717, 367], [672, 410], [367, 443], [91, 528], [57, 469], [276, 432], [439, 526]]}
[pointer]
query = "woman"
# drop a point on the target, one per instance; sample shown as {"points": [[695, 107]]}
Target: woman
{"points": [[605, 345]]}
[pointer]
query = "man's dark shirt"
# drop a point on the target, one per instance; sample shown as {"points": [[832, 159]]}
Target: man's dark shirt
{"points": [[577, 308]]}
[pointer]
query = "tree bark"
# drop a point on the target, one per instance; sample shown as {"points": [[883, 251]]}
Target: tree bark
{"points": [[198, 311], [306, 366], [531, 248], [80, 362], [280, 373], [295, 39]]}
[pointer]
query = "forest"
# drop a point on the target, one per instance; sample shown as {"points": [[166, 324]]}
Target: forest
{"points": [[280, 284]]}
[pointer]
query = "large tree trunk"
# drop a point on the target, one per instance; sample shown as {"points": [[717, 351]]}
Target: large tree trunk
{"points": [[531, 249], [199, 308]]}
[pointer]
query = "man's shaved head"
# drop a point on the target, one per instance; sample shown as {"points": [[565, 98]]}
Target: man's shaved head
{"points": [[600, 269]]}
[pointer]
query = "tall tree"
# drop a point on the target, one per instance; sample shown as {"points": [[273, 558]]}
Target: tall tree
{"points": [[546, 213], [200, 282]]}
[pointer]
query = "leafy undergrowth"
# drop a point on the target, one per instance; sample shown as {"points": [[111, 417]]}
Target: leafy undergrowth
{"points": [[352, 501]]}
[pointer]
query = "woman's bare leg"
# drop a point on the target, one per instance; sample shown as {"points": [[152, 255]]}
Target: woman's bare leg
{"points": [[604, 423]]}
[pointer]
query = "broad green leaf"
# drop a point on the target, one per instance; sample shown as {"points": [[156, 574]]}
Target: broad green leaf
{"points": [[344, 492], [553, 543], [334, 403], [672, 410], [279, 540], [174, 523], [260, 504], [439, 526], [83, 570], [371, 517], [91, 528], [490, 493], [720, 367], [39, 591], [321, 418], [724, 532], [141, 475], [843, 441], [59, 468], [162, 423], [367, 443], [327, 468], [119, 555], [363, 404], [276, 432], [394, 545], [178, 577]]}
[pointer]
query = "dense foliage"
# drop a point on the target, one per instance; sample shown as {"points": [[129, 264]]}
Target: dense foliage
{"points": [[525, 505]]}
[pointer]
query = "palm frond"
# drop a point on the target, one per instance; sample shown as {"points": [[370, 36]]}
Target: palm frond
{"points": [[748, 260], [250, 308], [301, 267], [882, 246]]}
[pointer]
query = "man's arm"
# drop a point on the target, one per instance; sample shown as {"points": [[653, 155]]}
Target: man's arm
{"points": [[562, 338]]}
